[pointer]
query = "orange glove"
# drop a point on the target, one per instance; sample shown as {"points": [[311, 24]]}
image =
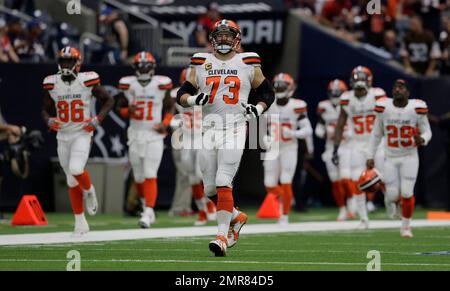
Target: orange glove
{"points": [[54, 124], [91, 124]]}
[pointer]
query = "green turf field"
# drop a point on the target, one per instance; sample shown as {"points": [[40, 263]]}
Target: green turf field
{"points": [[343, 250]]}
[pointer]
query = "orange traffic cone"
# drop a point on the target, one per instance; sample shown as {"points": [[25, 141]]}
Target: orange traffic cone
{"points": [[29, 212], [270, 207]]}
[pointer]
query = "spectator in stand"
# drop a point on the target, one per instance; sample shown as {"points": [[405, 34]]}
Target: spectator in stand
{"points": [[391, 45], [25, 6], [420, 51], [116, 37], [338, 14], [15, 29], [308, 6], [205, 23], [444, 41], [7, 53], [430, 13], [374, 27], [31, 48], [334, 13]]}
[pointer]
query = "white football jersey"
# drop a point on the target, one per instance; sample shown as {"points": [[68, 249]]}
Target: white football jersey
{"points": [[72, 101], [228, 83], [330, 115], [361, 114], [285, 117], [399, 124], [149, 104]]}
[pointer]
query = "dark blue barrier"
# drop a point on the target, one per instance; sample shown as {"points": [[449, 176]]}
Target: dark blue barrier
{"points": [[323, 57]]}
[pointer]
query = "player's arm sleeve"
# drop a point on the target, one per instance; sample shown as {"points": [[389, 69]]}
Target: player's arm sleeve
{"points": [[305, 128], [320, 129], [424, 124], [265, 93], [310, 144], [425, 130], [377, 132]]}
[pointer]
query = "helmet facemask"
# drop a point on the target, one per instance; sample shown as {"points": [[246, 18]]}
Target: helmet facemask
{"points": [[225, 40], [68, 67], [334, 95], [282, 89], [144, 70]]}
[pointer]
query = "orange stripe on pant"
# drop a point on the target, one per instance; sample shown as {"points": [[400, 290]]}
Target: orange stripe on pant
{"points": [[84, 180], [197, 192], [225, 199], [338, 193], [76, 199], [150, 188], [140, 189], [287, 197], [408, 206]]}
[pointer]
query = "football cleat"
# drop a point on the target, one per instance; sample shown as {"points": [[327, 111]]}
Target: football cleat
{"points": [[81, 225], [211, 212], [235, 227], [283, 220], [147, 218], [363, 225], [342, 214], [202, 219], [91, 201], [218, 246], [405, 231]]}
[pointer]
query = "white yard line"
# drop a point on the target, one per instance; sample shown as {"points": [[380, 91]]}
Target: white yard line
{"points": [[185, 232], [221, 262]]}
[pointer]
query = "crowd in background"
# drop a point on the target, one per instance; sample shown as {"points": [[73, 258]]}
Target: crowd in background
{"points": [[413, 32], [416, 33]]}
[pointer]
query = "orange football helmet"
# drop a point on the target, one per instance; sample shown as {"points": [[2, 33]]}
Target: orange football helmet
{"points": [[144, 65], [69, 61], [284, 85], [218, 39], [369, 181], [335, 90]]}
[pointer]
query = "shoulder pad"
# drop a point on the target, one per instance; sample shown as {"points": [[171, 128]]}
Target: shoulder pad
{"points": [[420, 106], [300, 106], [322, 106], [125, 82], [380, 105], [379, 93], [49, 82], [198, 59], [251, 59], [345, 98], [164, 82], [90, 78]]}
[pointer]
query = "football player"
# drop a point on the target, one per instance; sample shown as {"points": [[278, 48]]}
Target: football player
{"points": [[291, 123], [70, 92], [142, 98], [221, 82], [379, 93], [190, 158], [340, 176], [357, 105], [404, 124]]}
